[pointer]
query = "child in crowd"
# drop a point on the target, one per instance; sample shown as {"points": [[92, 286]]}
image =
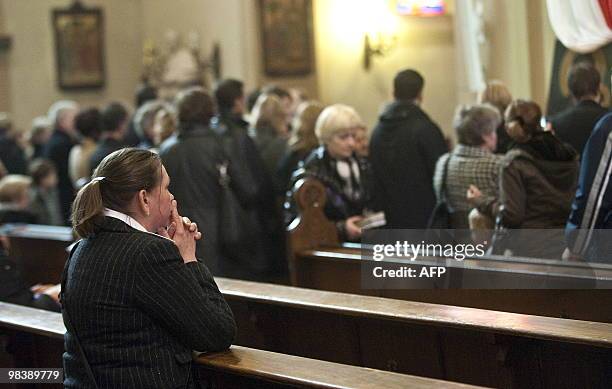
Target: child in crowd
{"points": [[44, 194], [15, 200]]}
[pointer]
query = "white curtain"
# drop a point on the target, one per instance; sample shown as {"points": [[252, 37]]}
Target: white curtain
{"points": [[469, 38], [579, 24]]}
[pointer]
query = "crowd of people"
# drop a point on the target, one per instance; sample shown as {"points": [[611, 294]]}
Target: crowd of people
{"points": [[234, 159], [231, 164]]}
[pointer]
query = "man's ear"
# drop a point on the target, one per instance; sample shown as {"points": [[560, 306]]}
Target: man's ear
{"points": [[143, 202], [419, 98]]}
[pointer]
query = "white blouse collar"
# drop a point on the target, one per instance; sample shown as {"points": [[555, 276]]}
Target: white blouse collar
{"points": [[130, 221]]}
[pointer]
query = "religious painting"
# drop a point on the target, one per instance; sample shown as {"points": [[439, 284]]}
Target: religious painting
{"points": [[559, 96], [79, 47], [286, 27]]}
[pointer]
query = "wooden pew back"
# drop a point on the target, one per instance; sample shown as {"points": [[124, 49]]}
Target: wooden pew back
{"points": [[325, 264], [479, 347], [39, 250]]}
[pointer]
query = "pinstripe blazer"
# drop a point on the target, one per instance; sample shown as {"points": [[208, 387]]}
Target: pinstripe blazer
{"points": [[139, 311]]}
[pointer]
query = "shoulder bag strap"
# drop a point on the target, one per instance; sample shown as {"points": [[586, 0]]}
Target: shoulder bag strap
{"points": [[443, 197], [69, 323]]}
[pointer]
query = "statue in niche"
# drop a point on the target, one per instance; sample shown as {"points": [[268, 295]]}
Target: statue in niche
{"points": [[178, 65]]}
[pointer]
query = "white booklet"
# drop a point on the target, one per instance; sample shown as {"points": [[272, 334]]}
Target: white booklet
{"points": [[372, 220]]}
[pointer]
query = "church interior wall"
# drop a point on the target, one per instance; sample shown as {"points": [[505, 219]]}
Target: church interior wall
{"points": [[31, 59], [427, 44]]}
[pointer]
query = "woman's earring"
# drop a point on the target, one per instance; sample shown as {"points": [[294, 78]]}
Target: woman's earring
{"points": [[148, 213]]}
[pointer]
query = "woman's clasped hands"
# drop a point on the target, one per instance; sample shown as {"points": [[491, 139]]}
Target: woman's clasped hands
{"points": [[183, 232]]}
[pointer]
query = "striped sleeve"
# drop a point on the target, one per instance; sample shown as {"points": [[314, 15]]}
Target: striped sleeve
{"points": [[183, 298]]}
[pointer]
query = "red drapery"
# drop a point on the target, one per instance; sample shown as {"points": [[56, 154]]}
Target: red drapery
{"points": [[606, 9]]}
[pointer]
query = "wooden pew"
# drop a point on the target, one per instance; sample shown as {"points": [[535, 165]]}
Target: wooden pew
{"points": [[318, 260], [238, 367], [474, 346], [39, 250]]}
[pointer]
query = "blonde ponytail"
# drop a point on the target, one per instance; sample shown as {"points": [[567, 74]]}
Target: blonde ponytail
{"points": [[87, 208]]}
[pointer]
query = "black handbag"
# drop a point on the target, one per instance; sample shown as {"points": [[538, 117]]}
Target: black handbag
{"points": [[235, 221], [439, 222], [440, 217], [503, 238], [238, 225]]}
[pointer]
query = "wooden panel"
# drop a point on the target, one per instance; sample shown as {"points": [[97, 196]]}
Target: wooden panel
{"points": [[312, 333]]}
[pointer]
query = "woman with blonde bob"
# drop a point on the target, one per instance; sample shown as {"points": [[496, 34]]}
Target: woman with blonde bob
{"points": [[335, 165], [135, 300], [497, 94]]}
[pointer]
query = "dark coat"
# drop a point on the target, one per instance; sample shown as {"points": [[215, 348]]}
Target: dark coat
{"points": [[12, 156], [290, 163], [272, 148], [139, 311], [256, 192], [590, 222], [191, 160], [404, 149], [104, 148], [504, 142], [537, 184], [58, 150], [338, 207], [11, 215], [575, 124]]}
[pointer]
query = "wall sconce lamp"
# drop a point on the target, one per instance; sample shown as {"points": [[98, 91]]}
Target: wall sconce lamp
{"points": [[379, 47]]}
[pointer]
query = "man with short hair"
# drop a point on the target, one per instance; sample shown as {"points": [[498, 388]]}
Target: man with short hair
{"points": [[231, 102], [114, 126], [247, 162], [404, 149], [575, 124], [61, 115]]}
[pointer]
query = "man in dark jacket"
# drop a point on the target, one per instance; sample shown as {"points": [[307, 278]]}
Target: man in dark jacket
{"points": [[62, 114], [229, 123], [404, 148], [590, 222], [12, 155], [114, 126], [231, 103], [194, 160], [575, 124]]}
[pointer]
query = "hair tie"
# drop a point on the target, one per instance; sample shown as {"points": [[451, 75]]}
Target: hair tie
{"points": [[97, 179]]}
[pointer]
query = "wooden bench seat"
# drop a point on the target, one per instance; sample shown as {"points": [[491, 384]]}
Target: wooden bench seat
{"points": [[280, 370], [238, 367]]}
